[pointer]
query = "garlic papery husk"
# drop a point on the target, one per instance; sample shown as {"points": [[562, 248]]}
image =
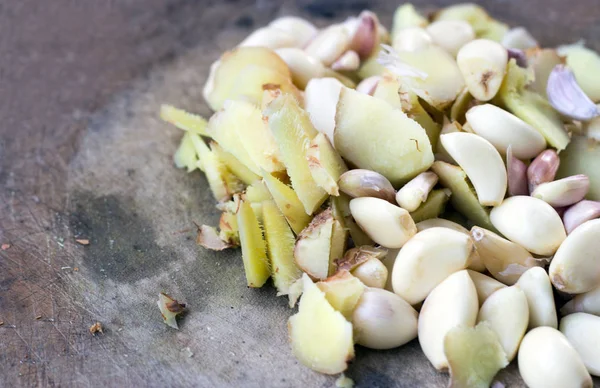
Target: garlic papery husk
{"points": [[415, 192], [516, 172], [519, 38], [580, 213], [504, 129], [543, 168], [482, 63], [531, 223], [563, 192], [567, 97], [451, 35]]}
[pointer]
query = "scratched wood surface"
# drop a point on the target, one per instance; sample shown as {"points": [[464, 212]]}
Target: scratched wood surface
{"points": [[82, 155]]}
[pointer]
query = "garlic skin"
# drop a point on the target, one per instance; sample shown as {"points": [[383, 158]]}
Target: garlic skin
{"points": [[366, 183], [272, 38], [542, 169], [548, 360], [302, 30], [427, 259], [516, 172], [567, 97], [482, 164], [588, 302], [373, 273], [503, 130], [411, 39], [452, 303], [329, 44], [563, 192], [451, 35], [536, 285], [484, 285], [531, 223], [519, 38], [507, 313], [388, 225], [320, 100], [575, 268], [383, 320], [415, 192], [482, 63], [583, 332]]}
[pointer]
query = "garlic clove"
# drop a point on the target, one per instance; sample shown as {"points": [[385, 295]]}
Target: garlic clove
{"points": [[542, 169], [484, 285], [415, 192], [349, 61], [272, 38], [567, 97], [536, 285], [366, 183], [373, 273], [516, 172], [411, 39], [482, 164], [563, 192], [475, 262], [503, 129], [302, 30], [580, 213], [575, 267], [529, 222], [588, 302], [451, 35], [365, 36], [453, 303], [368, 85], [519, 38], [388, 225], [383, 320], [505, 260], [320, 101], [329, 44], [302, 66], [548, 360], [583, 332], [507, 313], [482, 63], [427, 259]]}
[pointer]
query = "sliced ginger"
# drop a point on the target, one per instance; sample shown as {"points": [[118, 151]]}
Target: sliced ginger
{"points": [[342, 291], [254, 250], [313, 246], [184, 120], [234, 165], [325, 164], [288, 203]]}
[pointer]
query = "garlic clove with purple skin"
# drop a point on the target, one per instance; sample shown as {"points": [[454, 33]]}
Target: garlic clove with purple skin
{"points": [[567, 97], [517, 174], [563, 192], [365, 35], [543, 168], [580, 213]]}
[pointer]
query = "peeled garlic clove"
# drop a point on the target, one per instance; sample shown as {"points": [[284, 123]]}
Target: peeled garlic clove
{"points": [[516, 172], [386, 224], [505, 260], [451, 35], [519, 38], [475, 262], [508, 315], [368, 85], [538, 290], [529, 222], [482, 63], [365, 183], [563, 192], [575, 267], [415, 192], [542, 169], [548, 360], [270, 38], [588, 302], [567, 97], [302, 30], [373, 273], [411, 39], [320, 101], [383, 320], [484, 285], [349, 61], [329, 44], [359, 255], [503, 129], [302, 66], [427, 259], [583, 332], [451, 304], [482, 164], [365, 35]]}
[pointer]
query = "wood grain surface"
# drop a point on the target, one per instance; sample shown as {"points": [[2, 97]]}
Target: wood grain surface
{"points": [[83, 155]]}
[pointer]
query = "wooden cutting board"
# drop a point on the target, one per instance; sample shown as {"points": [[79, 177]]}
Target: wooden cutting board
{"points": [[84, 156]]}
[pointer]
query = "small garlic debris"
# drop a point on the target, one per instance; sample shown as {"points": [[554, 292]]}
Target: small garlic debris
{"points": [[482, 63], [416, 191], [567, 97], [563, 192], [169, 309], [390, 59], [580, 213]]}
